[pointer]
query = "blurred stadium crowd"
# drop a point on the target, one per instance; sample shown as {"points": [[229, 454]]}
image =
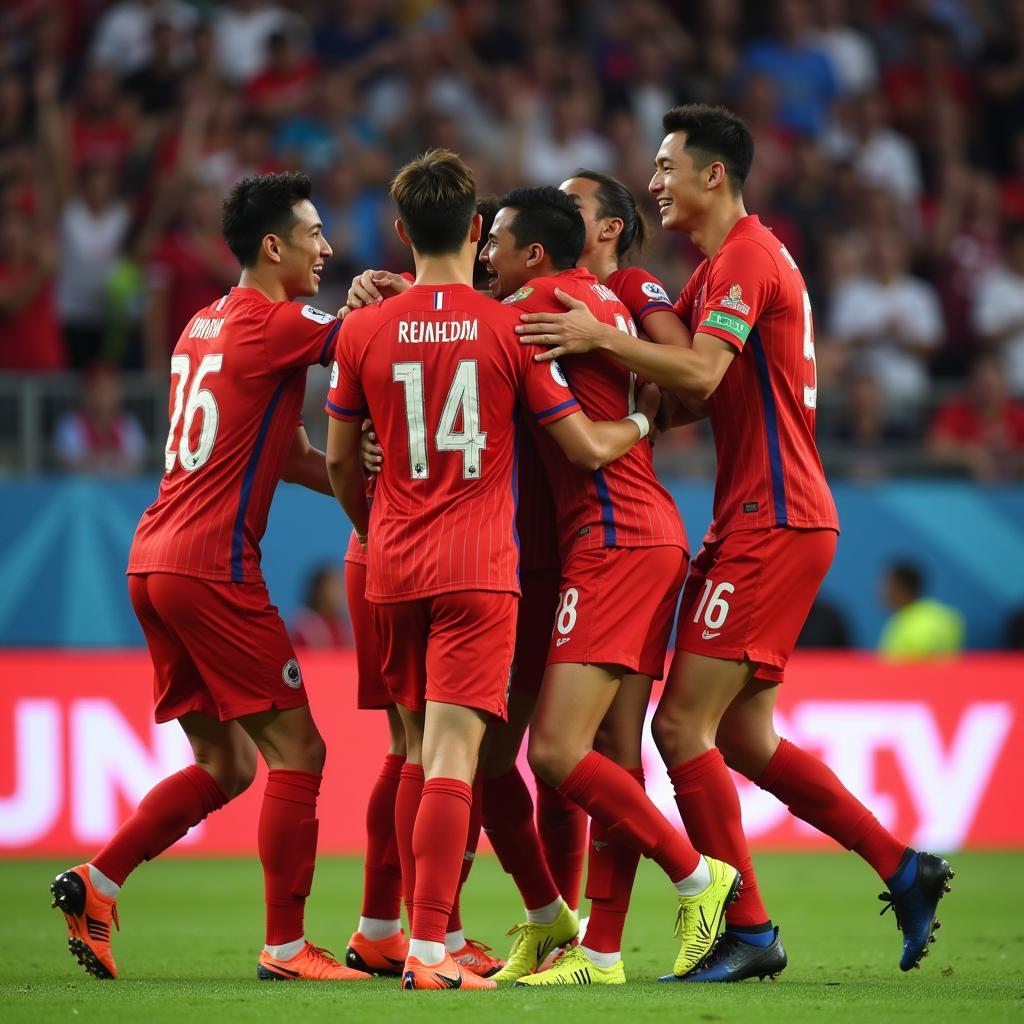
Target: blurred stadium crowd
{"points": [[890, 160]]}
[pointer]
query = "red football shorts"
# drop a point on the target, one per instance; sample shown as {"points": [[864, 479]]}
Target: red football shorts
{"points": [[536, 621], [748, 595], [449, 648], [617, 606], [219, 648], [371, 692]]}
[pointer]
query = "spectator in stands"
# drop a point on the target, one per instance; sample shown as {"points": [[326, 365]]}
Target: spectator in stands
{"points": [[1002, 87], [126, 32], [981, 432], [323, 620], [288, 80], [849, 50], [890, 323], [30, 338], [100, 437], [241, 32], [93, 228], [794, 58], [998, 313], [919, 627], [867, 434], [157, 83]]}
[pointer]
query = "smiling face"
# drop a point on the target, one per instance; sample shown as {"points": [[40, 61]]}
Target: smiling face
{"points": [[678, 185], [508, 267], [303, 252], [584, 192]]}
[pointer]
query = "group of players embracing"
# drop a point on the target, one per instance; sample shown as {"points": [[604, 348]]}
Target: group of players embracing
{"points": [[515, 565]]}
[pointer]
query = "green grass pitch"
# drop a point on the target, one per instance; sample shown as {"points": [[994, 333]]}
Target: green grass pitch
{"points": [[192, 929]]}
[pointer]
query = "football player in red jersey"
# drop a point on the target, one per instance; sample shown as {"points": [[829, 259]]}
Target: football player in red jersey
{"points": [[379, 945], [442, 568], [768, 549], [224, 666], [623, 551]]}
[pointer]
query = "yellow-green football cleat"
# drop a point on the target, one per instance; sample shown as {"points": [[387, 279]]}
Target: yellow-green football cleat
{"points": [[700, 917], [533, 943], [576, 968]]}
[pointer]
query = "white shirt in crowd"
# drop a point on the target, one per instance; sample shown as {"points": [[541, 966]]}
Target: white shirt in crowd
{"points": [[240, 38], [998, 307], [865, 308], [90, 246], [124, 35]]}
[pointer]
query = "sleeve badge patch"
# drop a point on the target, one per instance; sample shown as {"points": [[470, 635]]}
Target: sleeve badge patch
{"points": [[734, 300]]}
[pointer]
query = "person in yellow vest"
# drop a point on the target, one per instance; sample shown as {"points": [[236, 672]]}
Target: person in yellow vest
{"points": [[919, 627]]}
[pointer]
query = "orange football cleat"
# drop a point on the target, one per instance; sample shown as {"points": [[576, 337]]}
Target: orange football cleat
{"points": [[446, 974], [378, 956], [88, 914], [474, 957], [311, 963]]}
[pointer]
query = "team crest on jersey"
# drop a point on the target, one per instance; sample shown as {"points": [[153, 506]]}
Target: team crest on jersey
{"points": [[734, 300], [518, 296], [316, 315], [334, 374], [559, 374], [291, 674], [655, 292]]}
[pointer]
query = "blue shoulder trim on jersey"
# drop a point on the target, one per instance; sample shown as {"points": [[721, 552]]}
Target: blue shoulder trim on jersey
{"points": [[607, 512], [325, 352], [771, 425], [342, 411], [555, 408], [652, 306], [238, 536]]}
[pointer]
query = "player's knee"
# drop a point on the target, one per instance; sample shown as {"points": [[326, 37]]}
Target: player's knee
{"points": [[746, 754], [244, 769], [315, 752], [679, 736], [549, 758]]}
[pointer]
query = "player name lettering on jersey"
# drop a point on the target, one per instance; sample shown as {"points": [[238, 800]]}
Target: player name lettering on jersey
{"points": [[436, 332], [604, 293], [206, 327]]}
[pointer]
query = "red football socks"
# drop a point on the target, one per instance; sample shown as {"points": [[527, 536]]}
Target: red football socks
{"points": [[508, 822], [407, 803], [165, 814], [610, 795], [811, 790], [562, 827], [382, 869], [439, 844], [476, 813], [710, 808], [611, 870], [287, 845]]}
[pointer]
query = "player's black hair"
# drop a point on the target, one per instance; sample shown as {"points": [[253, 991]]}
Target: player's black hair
{"points": [[261, 205], [615, 200], [908, 576], [487, 207], [548, 216], [436, 199], [714, 133]]}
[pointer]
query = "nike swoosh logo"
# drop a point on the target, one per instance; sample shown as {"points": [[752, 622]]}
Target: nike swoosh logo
{"points": [[708, 635], [449, 982]]}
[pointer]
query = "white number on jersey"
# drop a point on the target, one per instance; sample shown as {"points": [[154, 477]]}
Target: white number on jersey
{"points": [[810, 390], [199, 399], [566, 616], [717, 608], [628, 327], [463, 400]]}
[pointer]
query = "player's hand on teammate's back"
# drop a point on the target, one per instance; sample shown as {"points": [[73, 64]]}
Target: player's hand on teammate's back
{"points": [[373, 286], [370, 453], [648, 400], [571, 334]]}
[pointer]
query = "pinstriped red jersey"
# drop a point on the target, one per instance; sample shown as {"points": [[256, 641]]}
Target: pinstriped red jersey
{"points": [[752, 296], [536, 523], [621, 505], [640, 292], [442, 374], [238, 375]]}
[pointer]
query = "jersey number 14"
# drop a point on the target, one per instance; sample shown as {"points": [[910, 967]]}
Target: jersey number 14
{"points": [[463, 402]]}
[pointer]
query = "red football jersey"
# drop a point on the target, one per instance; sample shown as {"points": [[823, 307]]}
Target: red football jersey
{"points": [[752, 296], [536, 523], [440, 371], [640, 292], [238, 375], [621, 505]]}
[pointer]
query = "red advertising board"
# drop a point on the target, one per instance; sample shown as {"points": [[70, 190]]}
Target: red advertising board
{"points": [[936, 750]]}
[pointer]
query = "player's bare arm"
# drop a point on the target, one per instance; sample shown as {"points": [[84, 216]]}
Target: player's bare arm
{"points": [[343, 468], [306, 465], [591, 445], [663, 327], [694, 372], [371, 455]]}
